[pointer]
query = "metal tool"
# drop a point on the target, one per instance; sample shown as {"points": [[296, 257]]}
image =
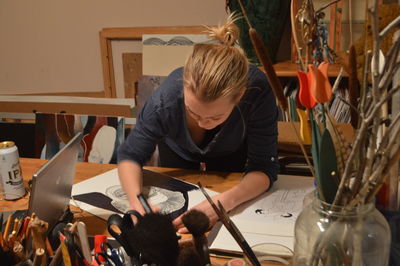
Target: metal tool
{"points": [[109, 254], [231, 227], [120, 227]]}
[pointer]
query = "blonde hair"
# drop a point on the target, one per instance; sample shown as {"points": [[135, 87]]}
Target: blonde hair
{"points": [[217, 70]]}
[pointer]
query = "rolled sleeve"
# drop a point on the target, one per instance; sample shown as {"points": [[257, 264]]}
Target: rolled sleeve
{"points": [[141, 142]]}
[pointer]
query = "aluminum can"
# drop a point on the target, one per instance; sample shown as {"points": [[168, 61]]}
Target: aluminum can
{"points": [[12, 185]]}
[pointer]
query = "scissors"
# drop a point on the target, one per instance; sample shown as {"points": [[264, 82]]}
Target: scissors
{"points": [[120, 228], [109, 254]]}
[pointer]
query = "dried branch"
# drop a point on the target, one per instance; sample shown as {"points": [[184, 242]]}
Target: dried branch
{"points": [[373, 136], [375, 52], [347, 103], [394, 161], [372, 112], [363, 92], [337, 81], [373, 185], [303, 66], [386, 138], [389, 156], [357, 144], [358, 178], [392, 63], [391, 25], [325, 6]]}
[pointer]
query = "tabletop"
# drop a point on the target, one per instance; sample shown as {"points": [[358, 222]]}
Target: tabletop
{"points": [[216, 181]]}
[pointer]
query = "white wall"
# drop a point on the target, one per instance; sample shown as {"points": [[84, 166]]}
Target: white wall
{"points": [[53, 45]]}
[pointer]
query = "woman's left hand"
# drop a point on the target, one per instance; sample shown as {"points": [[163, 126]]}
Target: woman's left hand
{"points": [[252, 184], [204, 207]]}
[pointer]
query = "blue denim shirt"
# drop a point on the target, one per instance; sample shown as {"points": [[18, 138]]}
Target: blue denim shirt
{"points": [[253, 120]]}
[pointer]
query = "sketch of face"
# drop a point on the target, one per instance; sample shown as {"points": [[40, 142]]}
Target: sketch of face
{"points": [[166, 200]]}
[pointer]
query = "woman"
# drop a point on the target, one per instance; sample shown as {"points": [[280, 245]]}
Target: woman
{"points": [[216, 113]]}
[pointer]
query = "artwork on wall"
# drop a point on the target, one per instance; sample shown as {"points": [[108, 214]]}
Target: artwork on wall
{"points": [[162, 53], [101, 135]]}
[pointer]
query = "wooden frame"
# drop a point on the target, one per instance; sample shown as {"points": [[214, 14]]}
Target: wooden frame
{"points": [[107, 35], [62, 104]]}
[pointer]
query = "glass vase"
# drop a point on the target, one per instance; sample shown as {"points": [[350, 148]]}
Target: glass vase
{"points": [[330, 235]]}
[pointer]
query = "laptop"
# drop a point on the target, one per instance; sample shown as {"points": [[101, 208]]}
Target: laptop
{"points": [[52, 184]]}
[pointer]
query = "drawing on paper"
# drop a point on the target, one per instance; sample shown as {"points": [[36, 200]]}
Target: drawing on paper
{"points": [[165, 200], [170, 195]]}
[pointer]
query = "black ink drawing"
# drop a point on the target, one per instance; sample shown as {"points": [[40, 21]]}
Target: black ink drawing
{"points": [[259, 211], [170, 195]]}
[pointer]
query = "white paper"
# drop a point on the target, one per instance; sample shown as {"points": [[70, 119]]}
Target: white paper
{"points": [[269, 218], [101, 183]]}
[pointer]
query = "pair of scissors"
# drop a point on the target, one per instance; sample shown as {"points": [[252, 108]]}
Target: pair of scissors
{"points": [[108, 254], [120, 228]]}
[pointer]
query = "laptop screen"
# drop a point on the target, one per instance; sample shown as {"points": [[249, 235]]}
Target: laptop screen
{"points": [[52, 184]]}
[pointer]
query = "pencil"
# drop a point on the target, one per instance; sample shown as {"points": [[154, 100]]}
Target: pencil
{"points": [[1, 241], [7, 228], [15, 225]]}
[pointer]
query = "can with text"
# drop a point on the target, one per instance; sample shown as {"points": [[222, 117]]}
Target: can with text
{"points": [[12, 185]]}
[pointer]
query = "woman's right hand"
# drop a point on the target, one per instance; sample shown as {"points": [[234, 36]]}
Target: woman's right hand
{"points": [[137, 206]]}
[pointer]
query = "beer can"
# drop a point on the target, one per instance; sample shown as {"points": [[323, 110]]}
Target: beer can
{"points": [[12, 185]]}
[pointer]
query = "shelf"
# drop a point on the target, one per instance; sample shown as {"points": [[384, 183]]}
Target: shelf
{"points": [[289, 69]]}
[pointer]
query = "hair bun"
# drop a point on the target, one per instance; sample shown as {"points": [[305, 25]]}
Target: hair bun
{"points": [[227, 33]]}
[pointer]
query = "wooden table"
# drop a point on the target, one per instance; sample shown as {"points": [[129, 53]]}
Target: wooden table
{"points": [[215, 181]]}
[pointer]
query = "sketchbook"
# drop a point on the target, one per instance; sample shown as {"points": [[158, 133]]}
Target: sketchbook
{"points": [[269, 218]]}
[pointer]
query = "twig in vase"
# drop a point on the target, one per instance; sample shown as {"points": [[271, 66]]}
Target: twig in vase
{"points": [[373, 136], [385, 158], [364, 86], [365, 123], [368, 192]]}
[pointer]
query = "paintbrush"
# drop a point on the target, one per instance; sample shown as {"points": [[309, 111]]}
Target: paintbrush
{"points": [[231, 227]]}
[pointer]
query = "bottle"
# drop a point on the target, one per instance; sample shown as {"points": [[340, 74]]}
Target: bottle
{"points": [[11, 185]]}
